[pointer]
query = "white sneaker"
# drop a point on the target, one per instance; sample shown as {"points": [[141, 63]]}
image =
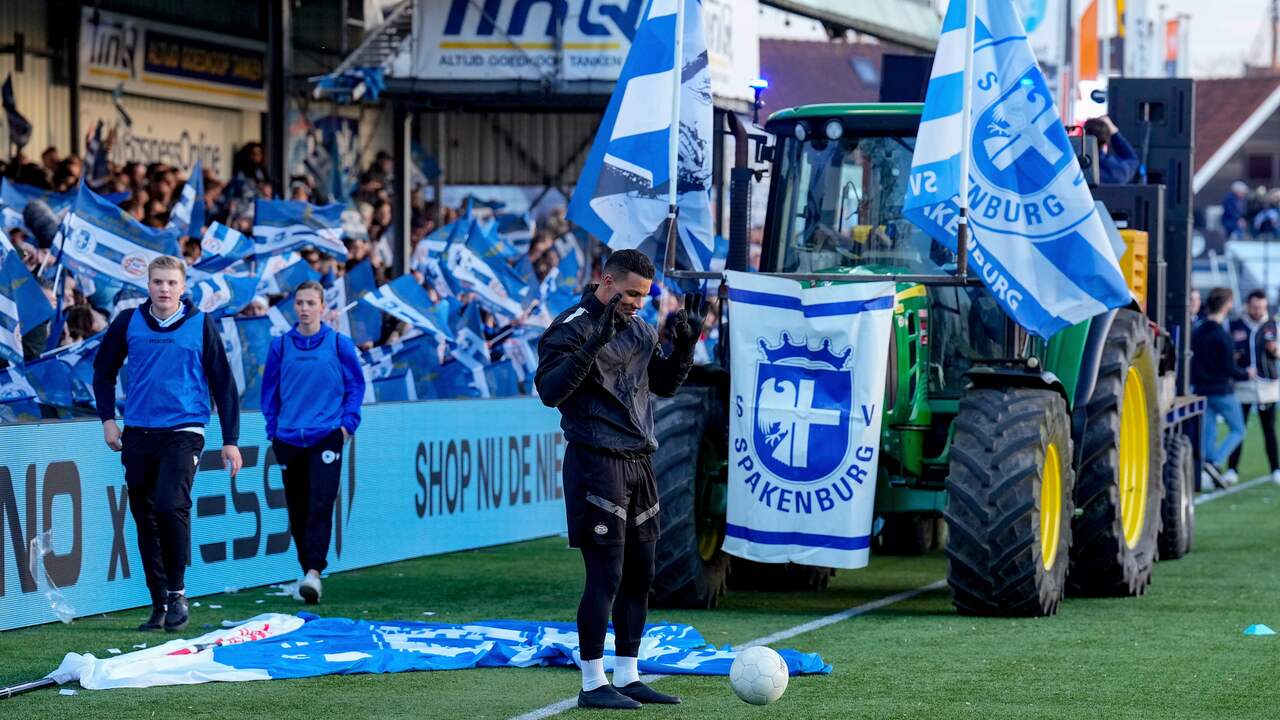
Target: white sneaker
{"points": [[309, 588], [1230, 477], [1275, 476]]}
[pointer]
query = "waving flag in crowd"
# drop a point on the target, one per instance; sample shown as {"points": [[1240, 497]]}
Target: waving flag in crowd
{"points": [[365, 322], [187, 216], [23, 306], [283, 225], [1037, 239], [100, 239], [19, 126], [627, 186], [221, 247], [405, 299], [223, 294], [15, 196], [465, 271], [247, 341], [14, 386], [273, 647]]}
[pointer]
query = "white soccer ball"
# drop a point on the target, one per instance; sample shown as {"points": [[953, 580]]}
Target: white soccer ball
{"points": [[758, 675]]}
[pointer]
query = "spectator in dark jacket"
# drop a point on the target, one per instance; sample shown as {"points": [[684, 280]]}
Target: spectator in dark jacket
{"points": [[1254, 334], [1117, 160], [1233, 210], [1213, 374]]}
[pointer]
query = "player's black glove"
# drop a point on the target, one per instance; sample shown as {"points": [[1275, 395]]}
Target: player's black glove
{"points": [[688, 323], [611, 323]]}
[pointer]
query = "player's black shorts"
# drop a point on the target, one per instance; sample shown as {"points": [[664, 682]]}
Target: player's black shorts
{"points": [[609, 499]]}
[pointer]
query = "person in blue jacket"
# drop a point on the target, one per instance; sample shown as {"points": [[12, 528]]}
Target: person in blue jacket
{"points": [[176, 359], [1117, 160], [312, 388]]}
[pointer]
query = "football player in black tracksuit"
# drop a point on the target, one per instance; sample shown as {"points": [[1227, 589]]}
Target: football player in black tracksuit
{"points": [[598, 363], [176, 359]]}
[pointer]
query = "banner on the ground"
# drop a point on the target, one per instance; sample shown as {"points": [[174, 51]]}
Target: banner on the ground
{"points": [[272, 646], [807, 401], [418, 479]]}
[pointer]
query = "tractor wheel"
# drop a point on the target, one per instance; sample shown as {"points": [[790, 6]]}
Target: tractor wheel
{"points": [[691, 569], [1009, 502], [1121, 484], [908, 534], [1178, 511]]}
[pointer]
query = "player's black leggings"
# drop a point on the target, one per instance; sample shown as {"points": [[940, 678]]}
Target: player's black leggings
{"points": [[618, 579]]}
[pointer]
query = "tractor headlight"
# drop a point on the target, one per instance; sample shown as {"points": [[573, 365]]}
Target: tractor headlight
{"points": [[835, 129], [802, 131]]}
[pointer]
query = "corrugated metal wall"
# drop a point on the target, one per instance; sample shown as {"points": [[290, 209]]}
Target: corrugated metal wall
{"points": [[44, 104], [510, 148]]}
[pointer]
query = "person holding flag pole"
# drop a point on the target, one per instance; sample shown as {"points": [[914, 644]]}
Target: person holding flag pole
{"points": [[312, 387]]}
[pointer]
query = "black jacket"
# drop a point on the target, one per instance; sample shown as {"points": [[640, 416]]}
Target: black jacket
{"points": [[1213, 364], [604, 399], [1251, 347]]}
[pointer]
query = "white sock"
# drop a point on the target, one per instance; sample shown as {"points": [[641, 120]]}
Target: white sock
{"points": [[593, 674], [625, 671]]}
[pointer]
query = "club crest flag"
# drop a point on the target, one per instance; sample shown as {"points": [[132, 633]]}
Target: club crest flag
{"points": [[1037, 240], [808, 392]]}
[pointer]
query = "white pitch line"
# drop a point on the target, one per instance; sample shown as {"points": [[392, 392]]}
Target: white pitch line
{"points": [[569, 703]]}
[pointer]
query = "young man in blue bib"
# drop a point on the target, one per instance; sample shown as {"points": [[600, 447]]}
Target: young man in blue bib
{"points": [[312, 387], [175, 359]]}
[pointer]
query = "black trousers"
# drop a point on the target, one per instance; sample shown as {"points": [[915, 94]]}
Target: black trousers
{"points": [[159, 467], [1267, 417], [311, 479], [611, 506]]}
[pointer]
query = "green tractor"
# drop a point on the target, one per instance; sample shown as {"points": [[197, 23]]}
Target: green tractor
{"points": [[1043, 467]]}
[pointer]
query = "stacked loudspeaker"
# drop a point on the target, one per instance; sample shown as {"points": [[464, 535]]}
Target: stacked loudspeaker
{"points": [[1157, 117]]}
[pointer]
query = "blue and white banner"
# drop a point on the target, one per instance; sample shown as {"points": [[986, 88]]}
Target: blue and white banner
{"points": [[272, 646], [23, 306], [405, 299], [283, 225], [1036, 237], [808, 375], [187, 216], [100, 239], [222, 247], [15, 196], [622, 196]]}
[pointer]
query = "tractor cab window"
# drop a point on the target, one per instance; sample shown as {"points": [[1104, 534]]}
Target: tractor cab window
{"points": [[841, 208]]}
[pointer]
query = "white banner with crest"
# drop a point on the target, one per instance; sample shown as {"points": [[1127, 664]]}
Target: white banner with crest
{"points": [[807, 399]]}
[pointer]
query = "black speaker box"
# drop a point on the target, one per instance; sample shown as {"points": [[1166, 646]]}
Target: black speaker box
{"points": [[1169, 104], [904, 78]]}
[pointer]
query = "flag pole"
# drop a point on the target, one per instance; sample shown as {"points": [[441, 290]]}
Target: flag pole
{"points": [[673, 147], [966, 143]]}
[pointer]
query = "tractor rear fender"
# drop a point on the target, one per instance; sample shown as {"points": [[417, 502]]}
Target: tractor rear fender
{"points": [[1087, 381], [996, 377]]}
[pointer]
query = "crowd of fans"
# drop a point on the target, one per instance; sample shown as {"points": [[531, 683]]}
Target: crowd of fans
{"points": [[1249, 213]]}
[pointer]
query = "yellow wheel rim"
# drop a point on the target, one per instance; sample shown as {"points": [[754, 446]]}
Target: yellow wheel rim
{"points": [[1050, 506], [1135, 458]]}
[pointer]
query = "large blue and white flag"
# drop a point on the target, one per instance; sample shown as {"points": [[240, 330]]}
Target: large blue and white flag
{"points": [[101, 240], [282, 274], [465, 271], [622, 196], [187, 216], [405, 299], [272, 647], [364, 322], [1037, 239], [15, 196], [420, 354], [14, 386], [222, 247], [283, 225], [805, 433], [493, 250], [23, 305]]}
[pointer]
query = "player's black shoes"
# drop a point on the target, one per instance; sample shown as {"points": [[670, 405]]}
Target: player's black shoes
{"points": [[156, 621], [606, 697], [176, 617], [642, 693]]}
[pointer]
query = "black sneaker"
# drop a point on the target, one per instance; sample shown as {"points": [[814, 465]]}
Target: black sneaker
{"points": [[606, 697], [156, 621], [642, 693], [176, 617]]}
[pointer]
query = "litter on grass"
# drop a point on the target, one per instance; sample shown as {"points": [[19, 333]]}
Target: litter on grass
{"points": [[1259, 630], [66, 691], [114, 651]]}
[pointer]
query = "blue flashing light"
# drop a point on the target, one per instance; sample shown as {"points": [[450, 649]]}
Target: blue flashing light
{"points": [[759, 84]]}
